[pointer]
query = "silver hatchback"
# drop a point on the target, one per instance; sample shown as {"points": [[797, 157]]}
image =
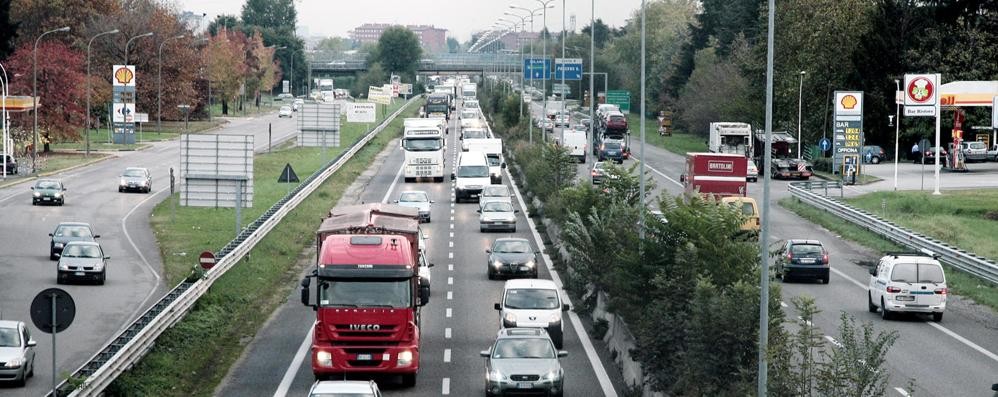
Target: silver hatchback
{"points": [[523, 360], [17, 352]]}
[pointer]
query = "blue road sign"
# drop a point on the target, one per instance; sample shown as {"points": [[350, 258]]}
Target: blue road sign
{"points": [[824, 144], [537, 69], [570, 67]]}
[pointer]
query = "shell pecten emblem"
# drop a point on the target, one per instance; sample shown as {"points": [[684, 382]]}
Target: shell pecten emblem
{"points": [[123, 75], [849, 102]]}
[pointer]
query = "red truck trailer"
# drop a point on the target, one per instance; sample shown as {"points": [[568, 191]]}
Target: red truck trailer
{"points": [[717, 174], [368, 293]]}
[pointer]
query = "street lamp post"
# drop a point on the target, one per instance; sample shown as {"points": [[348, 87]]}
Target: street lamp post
{"points": [[897, 131], [564, 34], [544, 54], [159, 85], [3, 113], [530, 119], [34, 98], [641, 174], [592, 69], [129, 42], [519, 45], [87, 126], [761, 373], [800, 107]]}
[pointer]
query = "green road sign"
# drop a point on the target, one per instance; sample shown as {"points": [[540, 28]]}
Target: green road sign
{"points": [[620, 98]]}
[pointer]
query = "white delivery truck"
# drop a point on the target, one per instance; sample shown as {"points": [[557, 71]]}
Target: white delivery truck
{"points": [[731, 138], [469, 92], [424, 146], [492, 148], [576, 142]]}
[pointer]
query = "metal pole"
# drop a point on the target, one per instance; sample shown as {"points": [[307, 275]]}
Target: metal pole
{"points": [[34, 97], [897, 132], [3, 114], [564, 33], [800, 107], [159, 85], [87, 125], [129, 42], [641, 218], [544, 81], [239, 205], [530, 112], [938, 117], [764, 234], [592, 72], [54, 325]]}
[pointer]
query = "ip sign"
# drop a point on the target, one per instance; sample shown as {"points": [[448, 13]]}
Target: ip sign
{"points": [[207, 260]]}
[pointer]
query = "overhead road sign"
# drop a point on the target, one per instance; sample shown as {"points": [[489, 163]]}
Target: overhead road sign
{"points": [[568, 68], [536, 69]]}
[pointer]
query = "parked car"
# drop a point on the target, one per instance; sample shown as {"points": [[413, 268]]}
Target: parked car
{"points": [[873, 154], [523, 361], [511, 257], [82, 260], [974, 151], [907, 283], [284, 112], [11, 165], [48, 191], [802, 259], [135, 178], [497, 215], [344, 388], [67, 232], [417, 199], [17, 352], [930, 156], [993, 153]]}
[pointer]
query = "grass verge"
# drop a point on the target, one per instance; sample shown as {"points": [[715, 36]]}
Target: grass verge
{"points": [[56, 161], [863, 178], [170, 129], [959, 283], [678, 143], [191, 358]]}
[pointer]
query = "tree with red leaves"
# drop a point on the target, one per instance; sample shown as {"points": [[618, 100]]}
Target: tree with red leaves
{"points": [[60, 90]]}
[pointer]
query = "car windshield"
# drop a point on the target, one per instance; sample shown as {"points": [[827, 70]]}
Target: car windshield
{"points": [[72, 231], [495, 191], [611, 145], [422, 144], [81, 251], [475, 134], [532, 299], [473, 171], [286, 108], [976, 145], [805, 249], [48, 185], [135, 173], [413, 197], [523, 348], [9, 337], [512, 247], [365, 293], [497, 206], [339, 394]]}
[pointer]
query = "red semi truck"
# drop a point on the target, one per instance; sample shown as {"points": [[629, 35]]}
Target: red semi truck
{"points": [[717, 174], [368, 293]]}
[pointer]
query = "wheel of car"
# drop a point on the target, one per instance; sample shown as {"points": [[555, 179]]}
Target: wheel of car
{"points": [[558, 394], [408, 380], [52, 256], [119, 190], [875, 160], [937, 317], [825, 280], [492, 274], [513, 230], [869, 303], [148, 188], [31, 369], [481, 229], [884, 313], [103, 277], [438, 179], [427, 219]]}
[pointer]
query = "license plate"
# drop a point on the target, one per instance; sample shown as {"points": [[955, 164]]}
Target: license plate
{"points": [[47, 198], [422, 173], [524, 268], [524, 385], [364, 357], [79, 273], [905, 298], [474, 195], [807, 260]]}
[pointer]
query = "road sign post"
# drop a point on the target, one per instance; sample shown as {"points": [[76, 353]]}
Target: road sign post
{"points": [[921, 99], [620, 98], [207, 260], [52, 311]]}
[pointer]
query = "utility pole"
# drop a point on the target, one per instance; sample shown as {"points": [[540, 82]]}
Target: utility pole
{"points": [[764, 234]]}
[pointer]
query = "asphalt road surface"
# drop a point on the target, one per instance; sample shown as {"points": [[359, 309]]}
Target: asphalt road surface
{"points": [[134, 271], [458, 322], [957, 357]]}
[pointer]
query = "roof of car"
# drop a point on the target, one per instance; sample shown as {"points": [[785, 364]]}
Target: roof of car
{"points": [[530, 283], [412, 191], [83, 243], [805, 242], [8, 323], [913, 257], [512, 239], [521, 332], [73, 224], [342, 386]]}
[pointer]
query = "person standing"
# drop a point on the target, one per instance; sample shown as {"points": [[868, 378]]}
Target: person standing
{"points": [[916, 154]]}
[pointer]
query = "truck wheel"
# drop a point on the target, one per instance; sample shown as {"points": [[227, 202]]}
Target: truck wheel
{"points": [[438, 179], [408, 380]]}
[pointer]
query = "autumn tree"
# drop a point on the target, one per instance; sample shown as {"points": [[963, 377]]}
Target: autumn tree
{"points": [[226, 65], [262, 71], [60, 89]]}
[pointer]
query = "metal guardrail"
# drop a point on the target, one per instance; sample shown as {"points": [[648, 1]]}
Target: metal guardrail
{"points": [[134, 342], [958, 258]]}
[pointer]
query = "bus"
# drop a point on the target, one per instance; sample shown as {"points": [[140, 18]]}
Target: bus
{"points": [[424, 146]]}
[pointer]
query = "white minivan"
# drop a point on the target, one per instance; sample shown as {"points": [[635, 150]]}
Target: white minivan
{"points": [[533, 303], [472, 175], [907, 283], [576, 142]]}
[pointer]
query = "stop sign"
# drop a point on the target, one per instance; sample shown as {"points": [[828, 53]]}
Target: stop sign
{"points": [[207, 260]]}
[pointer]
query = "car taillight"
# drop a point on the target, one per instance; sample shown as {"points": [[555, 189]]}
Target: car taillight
{"points": [[595, 173], [941, 291], [824, 258], [790, 256], [893, 290]]}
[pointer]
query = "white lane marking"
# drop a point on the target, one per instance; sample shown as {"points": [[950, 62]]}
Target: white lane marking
{"points": [[451, 225], [450, 255], [783, 304], [449, 312], [391, 188], [587, 345], [145, 262], [450, 295], [902, 391], [987, 353], [452, 205], [452, 218], [450, 280], [450, 267], [451, 233], [445, 387], [289, 375], [801, 320], [452, 213], [450, 244], [446, 355], [660, 173], [447, 333]]}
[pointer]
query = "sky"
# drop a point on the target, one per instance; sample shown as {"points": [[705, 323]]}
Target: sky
{"points": [[459, 17]]}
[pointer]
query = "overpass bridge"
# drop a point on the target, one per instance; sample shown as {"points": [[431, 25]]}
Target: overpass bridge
{"points": [[456, 63]]}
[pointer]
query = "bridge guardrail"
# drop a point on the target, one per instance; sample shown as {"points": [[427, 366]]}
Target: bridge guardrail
{"points": [[958, 258], [128, 347]]}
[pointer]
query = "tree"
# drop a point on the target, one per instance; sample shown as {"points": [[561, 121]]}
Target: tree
{"points": [[334, 45], [261, 71], [60, 89], [223, 22], [277, 14], [227, 66], [398, 51], [602, 33], [453, 45], [716, 91], [8, 30]]}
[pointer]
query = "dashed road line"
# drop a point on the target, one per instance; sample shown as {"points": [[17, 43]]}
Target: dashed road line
{"points": [[450, 244], [903, 392], [660, 173], [450, 280], [450, 255], [446, 355], [450, 267], [783, 304], [450, 295], [447, 333], [448, 313], [445, 387], [832, 340]]}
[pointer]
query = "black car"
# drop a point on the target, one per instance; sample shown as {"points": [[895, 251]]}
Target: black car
{"points": [[612, 151], [11, 165], [67, 232], [511, 257], [48, 191], [802, 259]]}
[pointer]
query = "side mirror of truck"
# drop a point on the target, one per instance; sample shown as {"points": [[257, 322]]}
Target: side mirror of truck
{"points": [[503, 165], [498, 306], [305, 283], [424, 295]]}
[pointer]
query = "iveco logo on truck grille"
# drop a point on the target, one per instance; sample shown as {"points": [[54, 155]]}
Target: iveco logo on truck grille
{"points": [[365, 327], [721, 166]]}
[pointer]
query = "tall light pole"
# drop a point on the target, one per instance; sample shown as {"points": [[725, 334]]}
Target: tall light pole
{"points": [[592, 69], [564, 34], [129, 42], [34, 98], [897, 131], [762, 375], [544, 45], [800, 107], [159, 84], [519, 44], [641, 217], [87, 126], [530, 118], [3, 113]]}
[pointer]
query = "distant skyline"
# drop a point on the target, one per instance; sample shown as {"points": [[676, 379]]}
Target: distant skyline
{"points": [[336, 17]]}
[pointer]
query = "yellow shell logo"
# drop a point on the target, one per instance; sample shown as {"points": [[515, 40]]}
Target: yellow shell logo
{"points": [[123, 75], [849, 102]]}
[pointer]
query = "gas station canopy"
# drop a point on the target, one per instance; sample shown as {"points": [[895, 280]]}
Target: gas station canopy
{"points": [[967, 93], [19, 103]]}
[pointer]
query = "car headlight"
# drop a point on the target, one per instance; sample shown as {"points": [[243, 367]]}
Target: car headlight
{"points": [[496, 263], [405, 358], [324, 359], [530, 263], [551, 375], [63, 266], [510, 317], [38, 194], [143, 183], [15, 362], [122, 182], [58, 194], [495, 375], [59, 245]]}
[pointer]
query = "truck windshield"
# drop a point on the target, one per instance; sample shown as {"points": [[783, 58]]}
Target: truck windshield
{"points": [[473, 171], [437, 108], [422, 144], [388, 293]]}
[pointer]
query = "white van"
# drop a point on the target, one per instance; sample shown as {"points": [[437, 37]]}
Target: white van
{"points": [[472, 175], [492, 148], [576, 142], [907, 283], [533, 303]]}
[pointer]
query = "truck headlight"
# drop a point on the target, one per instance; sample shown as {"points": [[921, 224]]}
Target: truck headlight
{"points": [[495, 375], [510, 318], [324, 359], [405, 358]]}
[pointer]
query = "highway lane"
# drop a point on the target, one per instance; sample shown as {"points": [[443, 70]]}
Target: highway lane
{"points": [[458, 322], [133, 281]]}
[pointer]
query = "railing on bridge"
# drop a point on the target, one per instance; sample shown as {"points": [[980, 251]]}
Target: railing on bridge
{"points": [[437, 62]]}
